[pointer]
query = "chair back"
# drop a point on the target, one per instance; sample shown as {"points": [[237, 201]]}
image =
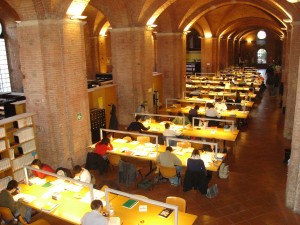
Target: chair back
{"points": [[40, 222], [167, 172], [114, 159], [143, 139], [103, 188], [6, 214], [180, 202], [127, 138], [184, 144]]}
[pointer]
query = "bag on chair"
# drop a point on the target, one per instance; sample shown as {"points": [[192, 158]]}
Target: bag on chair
{"points": [[224, 171]]}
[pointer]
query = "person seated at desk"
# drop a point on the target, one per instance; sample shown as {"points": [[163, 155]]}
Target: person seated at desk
{"points": [[196, 174], [103, 146], [137, 125], [211, 112], [82, 174], [170, 133], [36, 163], [220, 106], [179, 121], [94, 217], [194, 113], [18, 210], [168, 159]]}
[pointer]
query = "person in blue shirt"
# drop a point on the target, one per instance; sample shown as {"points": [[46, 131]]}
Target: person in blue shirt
{"points": [[94, 217]]}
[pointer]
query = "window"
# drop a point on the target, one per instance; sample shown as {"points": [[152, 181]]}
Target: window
{"points": [[261, 56], [4, 73]]}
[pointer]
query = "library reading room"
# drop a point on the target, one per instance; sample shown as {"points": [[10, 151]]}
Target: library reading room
{"points": [[148, 112]]}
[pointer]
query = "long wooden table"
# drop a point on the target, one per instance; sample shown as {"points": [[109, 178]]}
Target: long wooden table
{"points": [[225, 114], [151, 217], [70, 209]]}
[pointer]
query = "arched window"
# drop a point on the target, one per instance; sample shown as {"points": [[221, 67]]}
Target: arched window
{"points": [[261, 56], [4, 73]]}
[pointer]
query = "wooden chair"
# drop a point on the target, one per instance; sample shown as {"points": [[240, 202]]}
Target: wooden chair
{"points": [[180, 202], [169, 172], [6, 214], [143, 139], [114, 160], [184, 144], [40, 222], [103, 188], [127, 138]]}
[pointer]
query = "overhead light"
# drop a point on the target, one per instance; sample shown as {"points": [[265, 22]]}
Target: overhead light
{"points": [[293, 1], [207, 35], [78, 17], [76, 8], [283, 28], [287, 20], [152, 26]]}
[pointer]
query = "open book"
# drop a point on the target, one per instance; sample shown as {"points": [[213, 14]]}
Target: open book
{"points": [[49, 207]]}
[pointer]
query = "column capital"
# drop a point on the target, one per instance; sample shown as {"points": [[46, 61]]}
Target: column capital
{"points": [[28, 23], [170, 34]]}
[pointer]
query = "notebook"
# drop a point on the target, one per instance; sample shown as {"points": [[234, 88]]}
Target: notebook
{"points": [[166, 212], [130, 203]]}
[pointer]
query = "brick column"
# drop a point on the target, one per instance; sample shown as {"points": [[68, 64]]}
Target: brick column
{"points": [[223, 54], [285, 63], [52, 55], [209, 51], [292, 120], [93, 54], [292, 77], [171, 62], [230, 52], [103, 56], [132, 61]]}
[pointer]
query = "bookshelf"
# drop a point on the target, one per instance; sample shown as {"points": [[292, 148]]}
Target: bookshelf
{"points": [[17, 146]]}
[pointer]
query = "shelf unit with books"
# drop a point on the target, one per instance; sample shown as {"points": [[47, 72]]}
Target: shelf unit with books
{"points": [[17, 146]]}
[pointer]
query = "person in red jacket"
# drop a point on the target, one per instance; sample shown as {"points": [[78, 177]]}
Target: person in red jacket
{"points": [[36, 163], [103, 146]]}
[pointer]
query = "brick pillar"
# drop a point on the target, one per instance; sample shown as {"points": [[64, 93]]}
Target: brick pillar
{"points": [[209, 51], [132, 61], [292, 120], [285, 63], [223, 54], [292, 77], [103, 57], [230, 52], [171, 61], [52, 55], [93, 61], [12, 49]]}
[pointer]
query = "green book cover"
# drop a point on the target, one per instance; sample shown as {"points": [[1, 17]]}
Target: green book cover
{"points": [[48, 184], [130, 203]]}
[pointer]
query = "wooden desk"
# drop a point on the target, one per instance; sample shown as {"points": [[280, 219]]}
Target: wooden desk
{"points": [[218, 133], [226, 114], [70, 209], [133, 216], [130, 150]]}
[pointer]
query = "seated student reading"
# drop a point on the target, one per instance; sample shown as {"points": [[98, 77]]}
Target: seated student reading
{"points": [[179, 121], [137, 125], [36, 163], [103, 146], [94, 217], [19, 210], [82, 174]]}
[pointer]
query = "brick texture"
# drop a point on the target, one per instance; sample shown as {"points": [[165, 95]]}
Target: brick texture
{"points": [[52, 55]]}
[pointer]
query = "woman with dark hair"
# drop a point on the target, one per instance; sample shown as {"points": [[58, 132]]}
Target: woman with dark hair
{"points": [[103, 146], [36, 163]]}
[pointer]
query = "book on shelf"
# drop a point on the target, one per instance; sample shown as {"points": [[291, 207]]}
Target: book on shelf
{"points": [[166, 212], [50, 206], [130, 203]]}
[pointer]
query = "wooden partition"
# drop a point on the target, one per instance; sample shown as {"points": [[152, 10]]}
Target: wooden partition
{"points": [[103, 97]]}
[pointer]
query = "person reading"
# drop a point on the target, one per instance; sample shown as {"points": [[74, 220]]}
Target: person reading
{"points": [[137, 125], [94, 217], [103, 146], [36, 163]]}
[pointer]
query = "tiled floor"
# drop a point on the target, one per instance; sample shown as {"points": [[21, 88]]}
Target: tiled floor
{"points": [[254, 193]]}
